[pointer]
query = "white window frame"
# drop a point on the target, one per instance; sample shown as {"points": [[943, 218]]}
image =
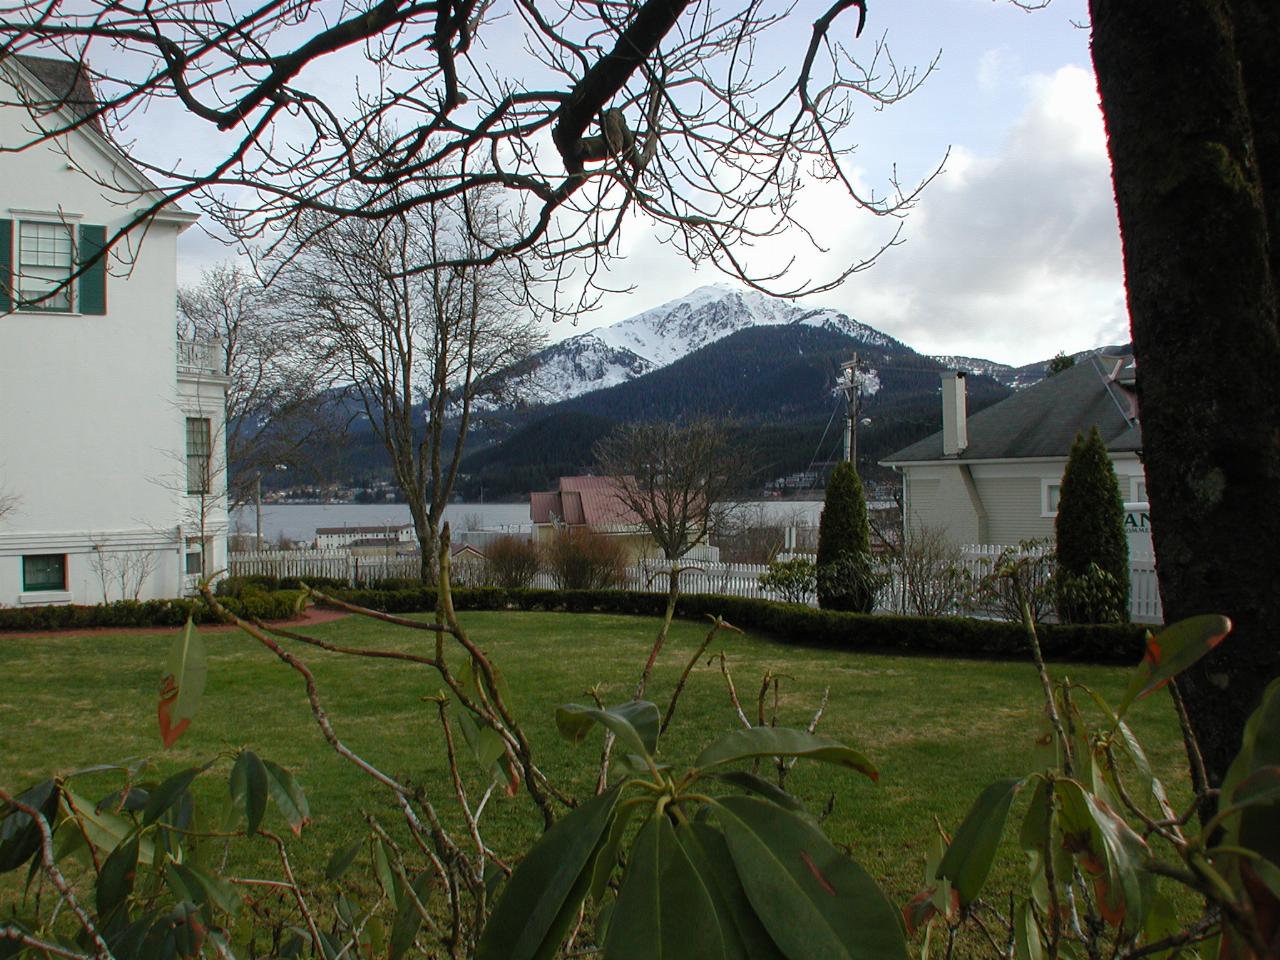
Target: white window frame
{"points": [[66, 221], [1045, 486], [194, 548], [1138, 489]]}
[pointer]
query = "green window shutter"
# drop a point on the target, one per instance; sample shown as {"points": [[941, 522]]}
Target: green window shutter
{"points": [[93, 282], [6, 265]]}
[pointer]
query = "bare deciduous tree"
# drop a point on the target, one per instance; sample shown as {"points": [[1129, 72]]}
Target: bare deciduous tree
{"points": [[278, 408], [679, 481], [579, 116], [416, 348]]}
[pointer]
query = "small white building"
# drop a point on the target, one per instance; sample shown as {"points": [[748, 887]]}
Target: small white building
{"points": [[344, 538], [112, 472], [995, 477]]}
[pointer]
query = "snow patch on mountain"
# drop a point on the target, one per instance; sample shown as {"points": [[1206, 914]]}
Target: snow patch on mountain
{"points": [[978, 367]]}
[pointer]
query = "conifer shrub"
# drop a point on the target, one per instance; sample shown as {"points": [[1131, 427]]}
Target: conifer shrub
{"points": [[1090, 533], [846, 578]]}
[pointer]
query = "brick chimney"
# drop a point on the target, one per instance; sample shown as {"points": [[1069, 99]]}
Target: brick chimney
{"points": [[955, 433]]}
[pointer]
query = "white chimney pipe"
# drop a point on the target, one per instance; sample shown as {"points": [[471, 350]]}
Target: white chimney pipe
{"points": [[955, 433]]}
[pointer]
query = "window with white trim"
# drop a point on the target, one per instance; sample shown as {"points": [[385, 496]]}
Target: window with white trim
{"points": [[1138, 489], [1050, 494], [45, 261], [194, 566]]}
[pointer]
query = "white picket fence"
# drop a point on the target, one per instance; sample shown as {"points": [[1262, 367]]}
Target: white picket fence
{"points": [[338, 564], [727, 579], [1144, 589]]}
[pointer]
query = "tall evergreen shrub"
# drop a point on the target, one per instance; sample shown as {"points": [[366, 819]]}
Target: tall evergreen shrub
{"points": [[846, 580], [1093, 552]]}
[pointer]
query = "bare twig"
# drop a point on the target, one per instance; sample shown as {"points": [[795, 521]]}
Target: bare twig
{"points": [[733, 692], [55, 875], [716, 624]]}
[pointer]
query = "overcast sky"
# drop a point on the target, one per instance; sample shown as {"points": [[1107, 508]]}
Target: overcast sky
{"points": [[1012, 253]]}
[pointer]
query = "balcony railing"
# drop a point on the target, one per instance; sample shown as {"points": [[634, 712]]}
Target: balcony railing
{"points": [[200, 357]]}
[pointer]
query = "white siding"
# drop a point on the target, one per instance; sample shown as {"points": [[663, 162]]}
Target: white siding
{"points": [[92, 421]]}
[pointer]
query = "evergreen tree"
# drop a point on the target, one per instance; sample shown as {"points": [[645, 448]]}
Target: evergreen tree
{"points": [[1093, 553], [1060, 362], [846, 580]]}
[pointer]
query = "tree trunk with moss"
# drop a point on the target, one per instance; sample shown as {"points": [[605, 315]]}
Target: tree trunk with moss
{"points": [[1191, 94]]}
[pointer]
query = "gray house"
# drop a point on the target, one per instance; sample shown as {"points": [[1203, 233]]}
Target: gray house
{"points": [[994, 477]]}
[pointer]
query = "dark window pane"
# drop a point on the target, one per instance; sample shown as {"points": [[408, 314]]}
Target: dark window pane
{"points": [[45, 572]]}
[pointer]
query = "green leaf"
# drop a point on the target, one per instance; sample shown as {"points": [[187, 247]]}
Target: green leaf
{"points": [[1171, 651], [193, 885], [341, 860], [165, 795], [105, 830], [1162, 922], [287, 796], [663, 908], [544, 892], [1260, 748], [813, 901], [116, 878], [1110, 851], [386, 877], [745, 937], [759, 786], [607, 859], [1261, 786], [752, 742], [183, 684], [248, 784], [409, 917], [574, 722], [19, 834], [484, 742], [1027, 943], [973, 848]]}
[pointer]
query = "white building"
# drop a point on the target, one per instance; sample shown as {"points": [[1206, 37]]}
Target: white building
{"points": [[995, 477], [111, 477], [343, 538]]}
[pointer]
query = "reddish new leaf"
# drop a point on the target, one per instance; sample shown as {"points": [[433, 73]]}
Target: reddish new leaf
{"points": [[183, 684], [1171, 651], [169, 730]]}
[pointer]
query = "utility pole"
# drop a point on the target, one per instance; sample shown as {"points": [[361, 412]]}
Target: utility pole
{"points": [[853, 402]]}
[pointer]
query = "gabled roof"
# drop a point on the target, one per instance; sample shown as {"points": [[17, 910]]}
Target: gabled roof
{"points": [[69, 84], [62, 89], [1042, 420], [593, 501]]}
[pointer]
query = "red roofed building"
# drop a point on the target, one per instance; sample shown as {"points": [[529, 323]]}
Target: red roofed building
{"points": [[594, 503]]}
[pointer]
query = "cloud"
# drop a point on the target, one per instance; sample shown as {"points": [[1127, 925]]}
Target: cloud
{"points": [[1014, 255]]}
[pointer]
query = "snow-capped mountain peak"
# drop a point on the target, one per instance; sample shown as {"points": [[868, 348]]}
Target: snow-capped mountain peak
{"points": [[654, 338]]}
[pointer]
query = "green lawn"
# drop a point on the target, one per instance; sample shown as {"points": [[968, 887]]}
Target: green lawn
{"points": [[939, 729]]}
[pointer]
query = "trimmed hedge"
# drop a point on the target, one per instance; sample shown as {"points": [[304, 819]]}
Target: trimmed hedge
{"points": [[281, 605], [802, 626], [784, 622]]}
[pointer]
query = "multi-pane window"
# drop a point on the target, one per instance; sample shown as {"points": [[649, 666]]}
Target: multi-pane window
{"points": [[46, 255], [199, 455], [194, 558], [44, 572]]}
